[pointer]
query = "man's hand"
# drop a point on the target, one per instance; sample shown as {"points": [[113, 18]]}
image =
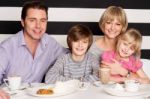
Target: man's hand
{"points": [[4, 95]]}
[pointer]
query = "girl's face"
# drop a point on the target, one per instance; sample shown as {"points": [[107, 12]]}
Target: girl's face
{"points": [[125, 49], [80, 47], [112, 28]]}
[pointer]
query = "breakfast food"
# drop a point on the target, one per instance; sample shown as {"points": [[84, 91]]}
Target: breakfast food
{"points": [[45, 91]]}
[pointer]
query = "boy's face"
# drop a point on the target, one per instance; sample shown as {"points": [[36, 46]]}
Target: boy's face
{"points": [[35, 23], [79, 48]]}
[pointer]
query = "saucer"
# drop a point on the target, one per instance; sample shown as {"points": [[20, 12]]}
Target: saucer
{"points": [[22, 87], [143, 89]]}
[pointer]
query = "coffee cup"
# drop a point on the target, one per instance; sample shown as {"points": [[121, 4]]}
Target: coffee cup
{"points": [[13, 82], [104, 74], [131, 85]]}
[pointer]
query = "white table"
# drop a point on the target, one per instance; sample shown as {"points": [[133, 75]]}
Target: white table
{"points": [[91, 93]]}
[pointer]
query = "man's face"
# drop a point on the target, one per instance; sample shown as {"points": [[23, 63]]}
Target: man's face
{"points": [[35, 24]]}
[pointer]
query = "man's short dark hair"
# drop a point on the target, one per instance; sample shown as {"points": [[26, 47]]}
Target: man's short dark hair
{"points": [[34, 5]]}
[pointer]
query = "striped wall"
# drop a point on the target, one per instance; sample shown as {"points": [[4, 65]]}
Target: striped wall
{"points": [[65, 13]]}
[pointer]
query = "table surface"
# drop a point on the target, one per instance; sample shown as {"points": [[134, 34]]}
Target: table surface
{"points": [[92, 92]]}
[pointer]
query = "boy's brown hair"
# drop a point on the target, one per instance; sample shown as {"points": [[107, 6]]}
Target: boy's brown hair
{"points": [[79, 32]]}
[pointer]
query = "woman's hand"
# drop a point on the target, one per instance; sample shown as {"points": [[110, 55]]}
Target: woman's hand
{"points": [[4, 95], [115, 67]]}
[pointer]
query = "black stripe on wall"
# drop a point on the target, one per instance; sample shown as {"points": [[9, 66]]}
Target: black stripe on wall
{"points": [[145, 54], [128, 4], [11, 27]]}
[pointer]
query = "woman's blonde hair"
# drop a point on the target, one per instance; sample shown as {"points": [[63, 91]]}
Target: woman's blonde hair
{"points": [[110, 14], [134, 37]]}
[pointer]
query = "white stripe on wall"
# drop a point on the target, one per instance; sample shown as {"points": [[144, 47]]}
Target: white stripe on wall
{"points": [[10, 13], [145, 41], [76, 14]]}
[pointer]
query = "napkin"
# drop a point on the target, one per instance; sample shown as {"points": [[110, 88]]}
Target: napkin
{"points": [[62, 87]]}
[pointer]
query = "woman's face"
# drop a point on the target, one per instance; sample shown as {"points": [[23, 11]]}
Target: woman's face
{"points": [[112, 28]]}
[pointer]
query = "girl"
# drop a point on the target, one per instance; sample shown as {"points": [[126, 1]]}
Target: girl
{"points": [[127, 54], [78, 63]]}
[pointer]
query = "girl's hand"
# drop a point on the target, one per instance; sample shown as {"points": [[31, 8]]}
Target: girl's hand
{"points": [[141, 77]]}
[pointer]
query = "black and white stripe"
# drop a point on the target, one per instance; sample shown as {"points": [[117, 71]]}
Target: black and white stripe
{"points": [[65, 13]]}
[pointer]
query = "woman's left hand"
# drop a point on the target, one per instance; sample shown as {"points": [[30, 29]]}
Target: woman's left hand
{"points": [[115, 67]]}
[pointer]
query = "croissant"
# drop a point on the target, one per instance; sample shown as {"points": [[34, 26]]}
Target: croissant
{"points": [[45, 91]]}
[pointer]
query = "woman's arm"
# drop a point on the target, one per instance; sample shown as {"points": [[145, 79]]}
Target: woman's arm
{"points": [[116, 67], [118, 79]]}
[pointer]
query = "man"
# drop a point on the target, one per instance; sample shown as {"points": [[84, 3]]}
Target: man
{"points": [[30, 52]]}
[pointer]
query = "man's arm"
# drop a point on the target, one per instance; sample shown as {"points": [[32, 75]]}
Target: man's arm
{"points": [[3, 63]]}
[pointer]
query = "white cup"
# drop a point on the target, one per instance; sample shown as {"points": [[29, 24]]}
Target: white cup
{"points": [[13, 82], [131, 85]]}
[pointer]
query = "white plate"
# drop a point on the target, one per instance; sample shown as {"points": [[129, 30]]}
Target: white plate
{"points": [[144, 89], [33, 91]]}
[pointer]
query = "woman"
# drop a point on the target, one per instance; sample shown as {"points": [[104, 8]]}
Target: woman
{"points": [[112, 23]]}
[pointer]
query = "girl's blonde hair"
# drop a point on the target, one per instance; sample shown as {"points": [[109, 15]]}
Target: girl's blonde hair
{"points": [[134, 37], [110, 14]]}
